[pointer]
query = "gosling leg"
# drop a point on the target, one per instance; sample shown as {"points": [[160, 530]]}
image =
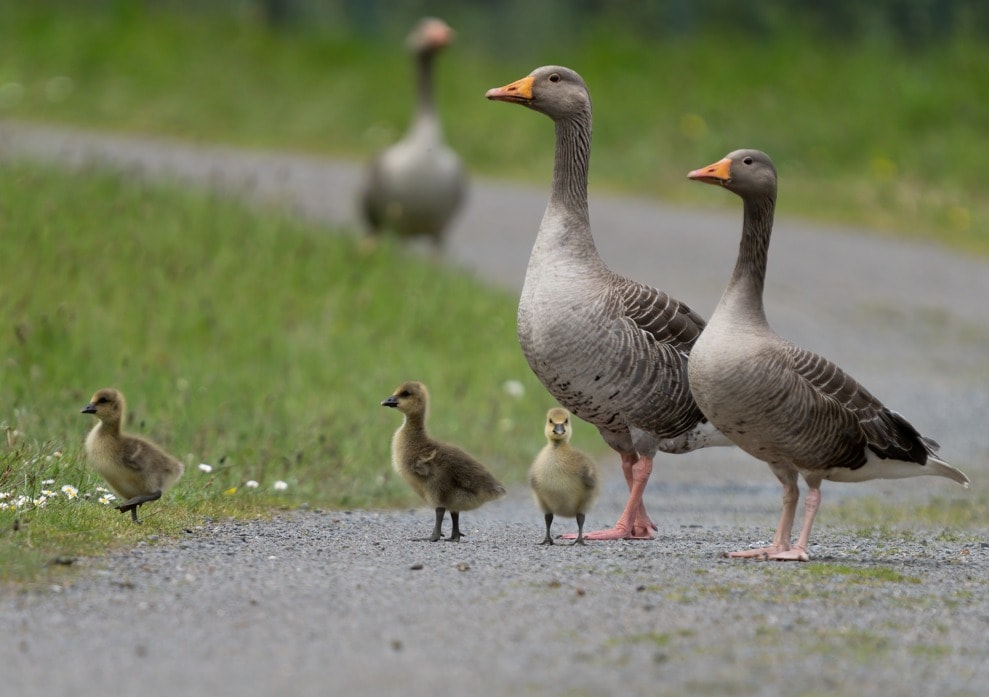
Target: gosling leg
{"points": [[580, 530], [132, 504], [455, 533], [548, 540], [437, 528]]}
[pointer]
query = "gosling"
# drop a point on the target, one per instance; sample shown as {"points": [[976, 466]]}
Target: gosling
{"points": [[445, 476], [136, 469], [564, 480]]}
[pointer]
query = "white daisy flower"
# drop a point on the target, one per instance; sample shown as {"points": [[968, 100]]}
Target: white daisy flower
{"points": [[70, 491], [203, 467], [251, 484], [280, 485]]}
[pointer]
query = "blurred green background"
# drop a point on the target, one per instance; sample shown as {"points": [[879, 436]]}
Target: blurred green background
{"points": [[260, 345], [874, 112]]}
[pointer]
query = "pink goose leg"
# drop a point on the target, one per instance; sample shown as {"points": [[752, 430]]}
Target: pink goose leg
{"points": [[634, 523], [781, 541]]}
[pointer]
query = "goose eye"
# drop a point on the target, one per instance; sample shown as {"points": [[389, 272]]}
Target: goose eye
{"points": [[404, 393], [747, 160], [102, 400], [555, 77]]}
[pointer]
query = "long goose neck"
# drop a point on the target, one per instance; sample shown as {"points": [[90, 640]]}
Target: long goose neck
{"points": [[426, 118], [747, 283], [573, 157], [565, 240]]}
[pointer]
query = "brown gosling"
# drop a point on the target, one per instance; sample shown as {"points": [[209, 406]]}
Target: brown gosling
{"points": [[564, 480], [136, 469], [445, 476]]}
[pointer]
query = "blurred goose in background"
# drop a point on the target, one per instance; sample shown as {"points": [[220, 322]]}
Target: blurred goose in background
{"points": [[414, 187], [564, 480], [611, 350], [136, 469], [446, 477], [783, 404]]}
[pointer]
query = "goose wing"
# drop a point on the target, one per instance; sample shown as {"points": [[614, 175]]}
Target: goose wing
{"points": [[884, 431], [658, 315]]}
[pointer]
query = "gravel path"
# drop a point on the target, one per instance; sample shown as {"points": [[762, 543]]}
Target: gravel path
{"points": [[335, 602]]}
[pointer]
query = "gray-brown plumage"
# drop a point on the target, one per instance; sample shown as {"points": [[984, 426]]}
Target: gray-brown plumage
{"points": [[135, 469], [783, 404], [446, 477], [611, 350], [416, 186], [564, 480]]}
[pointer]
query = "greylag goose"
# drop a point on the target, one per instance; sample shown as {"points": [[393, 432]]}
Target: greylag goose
{"points": [[611, 350], [444, 476], [136, 469], [414, 187], [783, 404], [564, 480]]}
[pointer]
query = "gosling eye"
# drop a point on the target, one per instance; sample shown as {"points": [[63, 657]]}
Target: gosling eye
{"points": [[404, 393], [102, 400], [747, 160], [555, 77]]}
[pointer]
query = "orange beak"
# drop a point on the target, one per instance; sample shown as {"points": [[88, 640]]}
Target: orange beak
{"points": [[718, 173], [519, 91]]}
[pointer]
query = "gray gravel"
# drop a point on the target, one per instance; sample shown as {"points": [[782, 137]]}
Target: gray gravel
{"points": [[341, 602]]}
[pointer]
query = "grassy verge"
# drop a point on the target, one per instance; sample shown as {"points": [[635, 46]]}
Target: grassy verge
{"points": [[251, 342], [863, 132]]}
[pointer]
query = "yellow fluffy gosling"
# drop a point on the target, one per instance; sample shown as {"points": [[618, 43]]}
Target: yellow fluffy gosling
{"points": [[445, 476], [136, 469], [564, 480]]}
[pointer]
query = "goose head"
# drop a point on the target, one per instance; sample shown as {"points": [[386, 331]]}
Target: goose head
{"points": [[409, 398], [558, 92], [558, 428], [107, 405], [748, 173], [429, 36]]}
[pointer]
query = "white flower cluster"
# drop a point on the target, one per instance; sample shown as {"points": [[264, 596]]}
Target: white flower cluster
{"points": [[22, 502]]}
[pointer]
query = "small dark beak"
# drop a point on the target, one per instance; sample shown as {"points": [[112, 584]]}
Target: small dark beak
{"points": [[559, 429], [390, 401], [89, 409]]}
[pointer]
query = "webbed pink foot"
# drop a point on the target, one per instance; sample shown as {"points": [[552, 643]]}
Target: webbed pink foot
{"points": [[774, 553], [761, 553], [792, 554], [615, 533]]}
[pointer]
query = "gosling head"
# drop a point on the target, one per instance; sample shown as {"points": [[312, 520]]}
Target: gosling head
{"points": [[409, 398], [558, 427], [107, 405]]}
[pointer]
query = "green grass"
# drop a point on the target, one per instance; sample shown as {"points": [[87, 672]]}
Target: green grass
{"points": [[863, 132], [937, 513], [246, 340]]}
